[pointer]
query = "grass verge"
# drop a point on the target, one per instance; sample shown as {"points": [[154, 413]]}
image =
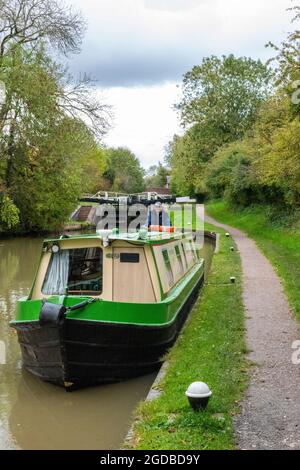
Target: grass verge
{"points": [[280, 244], [211, 349]]}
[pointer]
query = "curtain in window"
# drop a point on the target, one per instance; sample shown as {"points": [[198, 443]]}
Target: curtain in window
{"points": [[56, 282]]}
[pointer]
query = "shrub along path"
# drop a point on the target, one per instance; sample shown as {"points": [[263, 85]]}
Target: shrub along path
{"points": [[270, 411]]}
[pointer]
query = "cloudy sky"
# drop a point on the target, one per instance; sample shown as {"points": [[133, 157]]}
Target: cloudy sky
{"points": [[138, 51]]}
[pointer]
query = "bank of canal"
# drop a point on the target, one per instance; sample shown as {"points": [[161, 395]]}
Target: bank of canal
{"points": [[36, 415], [211, 349], [270, 410]]}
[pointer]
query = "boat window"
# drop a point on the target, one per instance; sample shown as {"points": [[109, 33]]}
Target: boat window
{"points": [[193, 250], [129, 257], [184, 254], [168, 267], [77, 271], [179, 259]]}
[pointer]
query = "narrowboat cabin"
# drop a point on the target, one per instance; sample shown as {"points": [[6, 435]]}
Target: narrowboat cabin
{"points": [[106, 307]]}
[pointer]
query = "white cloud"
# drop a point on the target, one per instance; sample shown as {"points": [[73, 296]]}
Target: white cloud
{"points": [[145, 121], [138, 42], [172, 5], [150, 43]]}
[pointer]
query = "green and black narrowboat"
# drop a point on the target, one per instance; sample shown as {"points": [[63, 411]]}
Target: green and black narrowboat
{"points": [[106, 307]]}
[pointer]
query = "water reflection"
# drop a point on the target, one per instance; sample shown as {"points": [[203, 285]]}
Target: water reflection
{"points": [[44, 417], [18, 260], [35, 415]]}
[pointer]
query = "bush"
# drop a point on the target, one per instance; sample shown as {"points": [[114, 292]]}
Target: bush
{"points": [[9, 214], [232, 175], [279, 165]]}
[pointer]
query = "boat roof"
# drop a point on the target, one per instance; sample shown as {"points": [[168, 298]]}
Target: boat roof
{"points": [[151, 238]]}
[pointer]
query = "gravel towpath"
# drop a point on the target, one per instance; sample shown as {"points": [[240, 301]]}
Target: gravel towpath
{"points": [[270, 411]]}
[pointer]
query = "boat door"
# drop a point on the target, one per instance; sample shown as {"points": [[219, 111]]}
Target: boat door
{"points": [[131, 276]]}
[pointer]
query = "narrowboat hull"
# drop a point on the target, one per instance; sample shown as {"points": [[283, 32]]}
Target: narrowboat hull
{"points": [[78, 352]]}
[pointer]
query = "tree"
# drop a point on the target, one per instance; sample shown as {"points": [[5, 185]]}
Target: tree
{"points": [[9, 214], [278, 125], [94, 164], [156, 176], [49, 123], [287, 65], [124, 171], [287, 56], [279, 166], [32, 85], [242, 139], [187, 156], [50, 177], [232, 174], [221, 101], [224, 96], [28, 22]]}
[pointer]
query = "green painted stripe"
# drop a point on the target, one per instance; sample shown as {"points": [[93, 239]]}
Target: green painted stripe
{"points": [[154, 314]]}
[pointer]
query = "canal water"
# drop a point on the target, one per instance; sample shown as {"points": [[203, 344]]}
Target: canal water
{"points": [[36, 415]]}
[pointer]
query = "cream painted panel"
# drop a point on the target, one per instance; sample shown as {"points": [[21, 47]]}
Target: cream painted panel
{"points": [[37, 289], [79, 243], [131, 281], [107, 293]]}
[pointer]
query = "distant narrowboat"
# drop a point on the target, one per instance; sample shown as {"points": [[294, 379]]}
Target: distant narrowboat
{"points": [[106, 307]]}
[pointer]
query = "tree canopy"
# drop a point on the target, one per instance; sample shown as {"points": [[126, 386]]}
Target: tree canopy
{"points": [[242, 121], [223, 95], [124, 172], [27, 23], [50, 124], [156, 176], [221, 101]]}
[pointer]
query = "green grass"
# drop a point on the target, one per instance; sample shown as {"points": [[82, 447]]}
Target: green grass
{"points": [[78, 222], [211, 349], [189, 220], [280, 244]]}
